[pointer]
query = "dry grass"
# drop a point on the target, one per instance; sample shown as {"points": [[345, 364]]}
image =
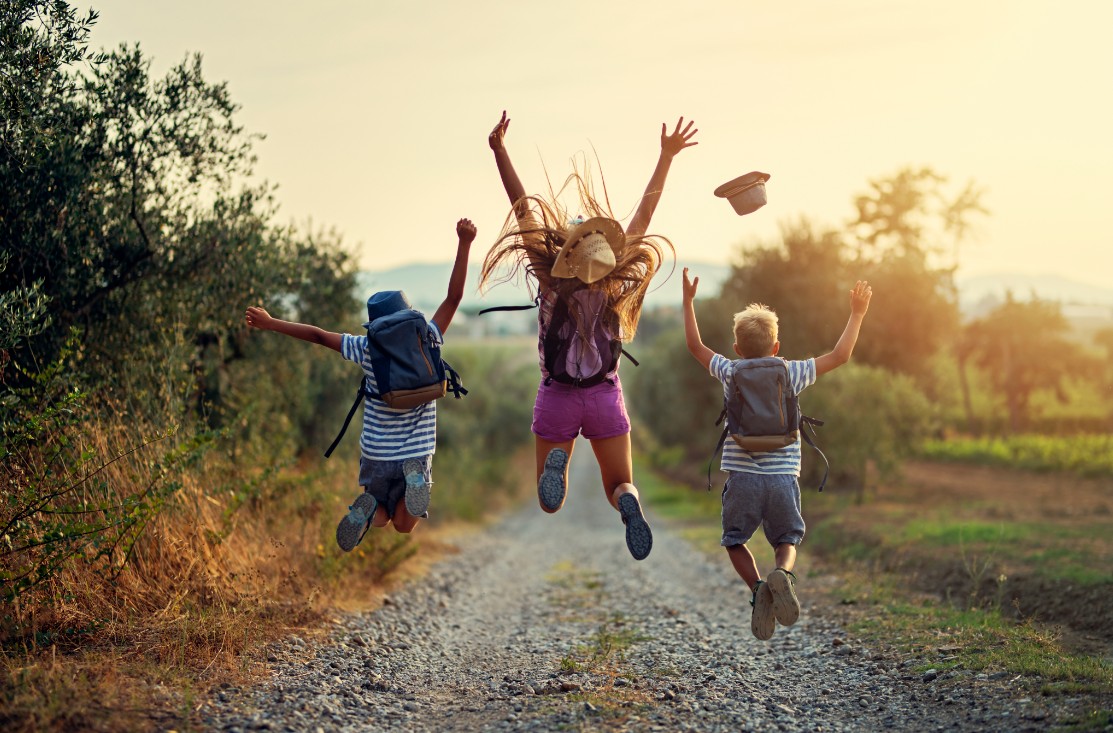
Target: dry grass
{"points": [[216, 576]]}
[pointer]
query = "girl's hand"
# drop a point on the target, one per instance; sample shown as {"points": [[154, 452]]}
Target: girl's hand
{"points": [[465, 230], [860, 297], [678, 140], [497, 134], [258, 317], [690, 287]]}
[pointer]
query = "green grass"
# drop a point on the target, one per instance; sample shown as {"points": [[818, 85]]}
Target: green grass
{"points": [[1083, 455], [940, 636]]}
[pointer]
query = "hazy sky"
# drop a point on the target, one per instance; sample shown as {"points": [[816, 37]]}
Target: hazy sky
{"points": [[376, 113]]}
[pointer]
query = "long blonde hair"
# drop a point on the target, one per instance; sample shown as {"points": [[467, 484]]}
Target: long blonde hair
{"points": [[529, 243]]}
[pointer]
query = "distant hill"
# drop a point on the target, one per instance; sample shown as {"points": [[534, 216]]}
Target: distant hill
{"points": [[425, 284]]}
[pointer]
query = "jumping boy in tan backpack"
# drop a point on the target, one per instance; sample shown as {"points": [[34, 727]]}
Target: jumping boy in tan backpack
{"points": [[762, 487]]}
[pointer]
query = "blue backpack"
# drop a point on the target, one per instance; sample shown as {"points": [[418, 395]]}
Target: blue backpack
{"points": [[407, 364], [762, 411]]}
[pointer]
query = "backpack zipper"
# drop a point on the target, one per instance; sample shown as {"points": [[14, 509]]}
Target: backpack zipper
{"points": [[780, 400], [420, 348]]}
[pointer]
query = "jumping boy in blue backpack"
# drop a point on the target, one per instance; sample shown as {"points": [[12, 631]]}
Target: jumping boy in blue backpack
{"points": [[762, 486], [397, 444]]}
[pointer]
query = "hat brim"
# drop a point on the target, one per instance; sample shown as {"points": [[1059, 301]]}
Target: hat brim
{"points": [[609, 228], [738, 185]]}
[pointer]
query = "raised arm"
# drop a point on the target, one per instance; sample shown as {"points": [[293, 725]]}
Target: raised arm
{"points": [[510, 180], [860, 296], [258, 317], [670, 146], [465, 232], [691, 328]]}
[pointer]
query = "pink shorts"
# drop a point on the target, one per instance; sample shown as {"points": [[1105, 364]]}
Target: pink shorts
{"points": [[561, 412]]}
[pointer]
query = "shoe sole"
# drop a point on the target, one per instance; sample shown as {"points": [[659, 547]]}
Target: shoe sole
{"points": [[763, 623], [356, 522], [417, 491], [639, 537], [786, 606], [551, 488]]}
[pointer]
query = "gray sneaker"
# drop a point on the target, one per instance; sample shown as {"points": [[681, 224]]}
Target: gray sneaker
{"points": [[639, 537], [356, 522], [551, 488], [417, 490]]}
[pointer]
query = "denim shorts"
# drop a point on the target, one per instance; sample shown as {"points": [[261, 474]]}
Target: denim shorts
{"points": [[384, 480], [771, 500], [563, 411]]}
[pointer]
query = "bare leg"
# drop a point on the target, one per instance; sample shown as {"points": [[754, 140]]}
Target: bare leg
{"points": [[542, 448], [381, 518], [616, 466], [786, 556], [744, 564], [404, 522]]}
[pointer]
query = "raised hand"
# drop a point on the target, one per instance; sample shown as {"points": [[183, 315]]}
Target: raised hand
{"points": [[257, 317], [465, 230], [860, 296], [690, 287], [679, 139], [497, 134]]}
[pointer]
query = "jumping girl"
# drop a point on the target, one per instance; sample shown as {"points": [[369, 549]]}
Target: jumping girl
{"points": [[591, 278]]}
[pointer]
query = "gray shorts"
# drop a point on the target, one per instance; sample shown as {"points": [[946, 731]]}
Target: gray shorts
{"points": [[384, 480], [771, 500]]}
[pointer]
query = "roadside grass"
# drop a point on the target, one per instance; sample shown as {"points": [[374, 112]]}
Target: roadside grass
{"points": [[1084, 455], [871, 546]]}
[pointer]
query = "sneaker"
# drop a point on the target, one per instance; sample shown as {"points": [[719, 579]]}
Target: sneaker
{"points": [[763, 622], [355, 524], [417, 490], [551, 488], [786, 607], [639, 537]]}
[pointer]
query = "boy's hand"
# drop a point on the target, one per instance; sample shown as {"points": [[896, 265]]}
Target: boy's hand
{"points": [[860, 296], [465, 230], [258, 317], [497, 134], [678, 140], [689, 287]]}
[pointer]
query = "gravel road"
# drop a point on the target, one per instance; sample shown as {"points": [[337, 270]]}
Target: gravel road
{"points": [[545, 623]]}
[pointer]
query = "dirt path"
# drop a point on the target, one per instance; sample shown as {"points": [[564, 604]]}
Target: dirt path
{"points": [[545, 623]]}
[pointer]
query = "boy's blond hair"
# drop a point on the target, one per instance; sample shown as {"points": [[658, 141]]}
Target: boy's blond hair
{"points": [[755, 330]]}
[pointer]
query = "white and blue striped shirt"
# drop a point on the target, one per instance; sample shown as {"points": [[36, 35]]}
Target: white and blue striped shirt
{"points": [[390, 434], [801, 374]]}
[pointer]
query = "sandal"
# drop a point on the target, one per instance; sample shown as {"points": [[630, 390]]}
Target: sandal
{"points": [[417, 489], [763, 623], [356, 522], [786, 606]]}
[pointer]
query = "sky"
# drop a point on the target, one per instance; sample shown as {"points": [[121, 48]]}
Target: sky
{"points": [[376, 114]]}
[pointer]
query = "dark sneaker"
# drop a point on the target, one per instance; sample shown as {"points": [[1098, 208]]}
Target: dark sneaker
{"points": [[639, 537], [355, 524], [417, 490], [763, 623], [786, 607], [551, 488]]}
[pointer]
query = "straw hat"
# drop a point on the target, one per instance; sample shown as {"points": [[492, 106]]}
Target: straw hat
{"points": [[745, 193], [590, 250]]}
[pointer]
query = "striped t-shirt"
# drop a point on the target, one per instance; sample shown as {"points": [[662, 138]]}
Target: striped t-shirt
{"points": [[390, 434], [801, 374]]}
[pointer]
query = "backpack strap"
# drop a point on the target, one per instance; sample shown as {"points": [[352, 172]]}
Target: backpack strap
{"points": [[718, 446], [627, 355], [536, 304], [807, 430], [454, 384], [360, 395]]}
